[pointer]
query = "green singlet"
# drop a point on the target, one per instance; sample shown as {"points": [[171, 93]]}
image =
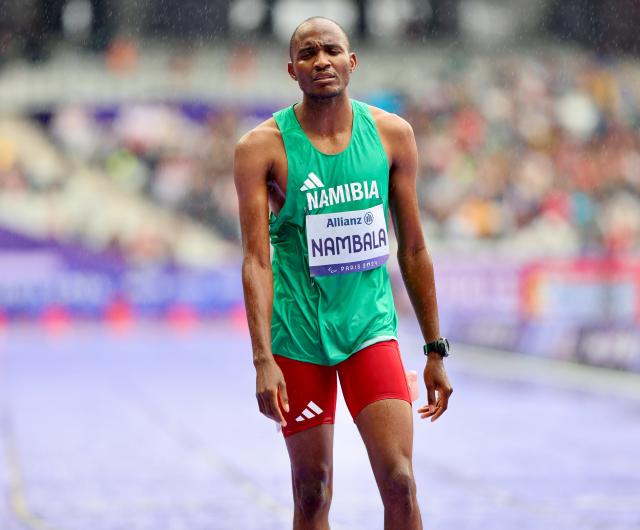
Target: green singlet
{"points": [[332, 294]]}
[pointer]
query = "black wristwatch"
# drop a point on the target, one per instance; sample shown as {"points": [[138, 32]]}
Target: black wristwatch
{"points": [[440, 346]]}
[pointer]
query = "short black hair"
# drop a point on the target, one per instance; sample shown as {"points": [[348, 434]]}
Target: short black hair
{"points": [[295, 32]]}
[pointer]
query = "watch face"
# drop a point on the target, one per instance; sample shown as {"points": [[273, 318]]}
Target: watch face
{"points": [[443, 347]]}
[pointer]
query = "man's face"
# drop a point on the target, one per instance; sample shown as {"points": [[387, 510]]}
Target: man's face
{"points": [[321, 62]]}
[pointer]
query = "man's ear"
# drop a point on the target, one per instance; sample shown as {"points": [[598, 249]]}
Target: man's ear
{"points": [[353, 60], [292, 74]]}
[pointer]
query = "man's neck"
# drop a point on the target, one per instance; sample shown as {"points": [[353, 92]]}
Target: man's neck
{"points": [[325, 117]]}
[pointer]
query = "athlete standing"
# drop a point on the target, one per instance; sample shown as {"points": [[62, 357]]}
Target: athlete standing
{"points": [[330, 168]]}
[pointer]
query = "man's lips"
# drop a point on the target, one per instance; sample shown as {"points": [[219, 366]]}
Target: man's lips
{"points": [[324, 77]]}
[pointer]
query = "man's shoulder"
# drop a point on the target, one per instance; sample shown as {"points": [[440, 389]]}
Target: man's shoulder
{"points": [[393, 129], [391, 125], [265, 136]]}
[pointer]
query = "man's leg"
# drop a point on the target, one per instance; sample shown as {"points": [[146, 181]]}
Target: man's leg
{"points": [[312, 393], [387, 430], [375, 388], [311, 456]]}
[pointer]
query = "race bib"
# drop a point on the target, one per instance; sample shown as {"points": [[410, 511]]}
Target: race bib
{"points": [[347, 241]]}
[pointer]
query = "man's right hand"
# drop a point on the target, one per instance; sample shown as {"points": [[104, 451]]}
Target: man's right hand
{"points": [[271, 391]]}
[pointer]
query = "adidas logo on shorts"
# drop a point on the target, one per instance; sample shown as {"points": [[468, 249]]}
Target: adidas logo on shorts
{"points": [[311, 411]]}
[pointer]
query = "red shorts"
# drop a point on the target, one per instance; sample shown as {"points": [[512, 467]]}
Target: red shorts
{"points": [[371, 374]]}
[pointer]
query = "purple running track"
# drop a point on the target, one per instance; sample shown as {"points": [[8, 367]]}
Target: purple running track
{"points": [[157, 428]]}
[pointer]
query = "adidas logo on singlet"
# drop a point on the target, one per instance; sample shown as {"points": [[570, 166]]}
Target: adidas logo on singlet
{"points": [[312, 182], [352, 191], [310, 411]]}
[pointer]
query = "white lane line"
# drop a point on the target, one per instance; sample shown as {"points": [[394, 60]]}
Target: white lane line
{"points": [[17, 495], [191, 442]]}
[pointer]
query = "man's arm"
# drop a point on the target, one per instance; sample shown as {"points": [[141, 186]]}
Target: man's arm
{"points": [[252, 164], [414, 260]]}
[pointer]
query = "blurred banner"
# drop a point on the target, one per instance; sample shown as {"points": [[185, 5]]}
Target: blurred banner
{"points": [[575, 309], [579, 309], [45, 278]]}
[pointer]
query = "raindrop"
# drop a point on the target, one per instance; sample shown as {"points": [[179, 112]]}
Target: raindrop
{"points": [[77, 17]]}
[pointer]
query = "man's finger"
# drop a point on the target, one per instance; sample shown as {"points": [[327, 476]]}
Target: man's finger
{"points": [[267, 402], [274, 407], [439, 412], [426, 411], [443, 403], [431, 394], [263, 402], [284, 398], [429, 411], [260, 403], [265, 405]]}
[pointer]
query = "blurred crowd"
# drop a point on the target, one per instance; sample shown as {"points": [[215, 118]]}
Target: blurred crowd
{"points": [[53, 193], [544, 147], [178, 156], [542, 152]]}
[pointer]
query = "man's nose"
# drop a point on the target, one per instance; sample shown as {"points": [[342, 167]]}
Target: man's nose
{"points": [[322, 61]]}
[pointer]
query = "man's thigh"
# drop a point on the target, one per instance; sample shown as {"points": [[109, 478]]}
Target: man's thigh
{"points": [[373, 374], [311, 389], [374, 384], [386, 427], [312, 392]]}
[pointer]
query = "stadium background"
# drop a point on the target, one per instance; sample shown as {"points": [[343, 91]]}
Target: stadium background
{"points": [[119, 244]]}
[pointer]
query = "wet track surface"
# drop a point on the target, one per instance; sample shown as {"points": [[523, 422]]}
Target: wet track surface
{"points": [[157, 428]]}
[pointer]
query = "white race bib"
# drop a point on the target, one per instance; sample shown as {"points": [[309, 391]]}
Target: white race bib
{"points": [[347, 241]]}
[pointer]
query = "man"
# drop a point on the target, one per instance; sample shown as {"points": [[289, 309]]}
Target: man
{"points": [[330, 167]]}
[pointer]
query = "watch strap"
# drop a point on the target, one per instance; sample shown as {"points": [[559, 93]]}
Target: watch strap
{"points": [[439, 346]]}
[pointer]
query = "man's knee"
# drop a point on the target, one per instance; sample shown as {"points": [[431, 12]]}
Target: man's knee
{"points": [[312, 491], [399, 488]]}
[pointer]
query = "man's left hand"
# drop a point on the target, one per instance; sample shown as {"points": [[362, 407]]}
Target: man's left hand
{"points": [[438, 389]]}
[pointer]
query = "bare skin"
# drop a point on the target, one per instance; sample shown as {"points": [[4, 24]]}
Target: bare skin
{"points": [[322, 65]]}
